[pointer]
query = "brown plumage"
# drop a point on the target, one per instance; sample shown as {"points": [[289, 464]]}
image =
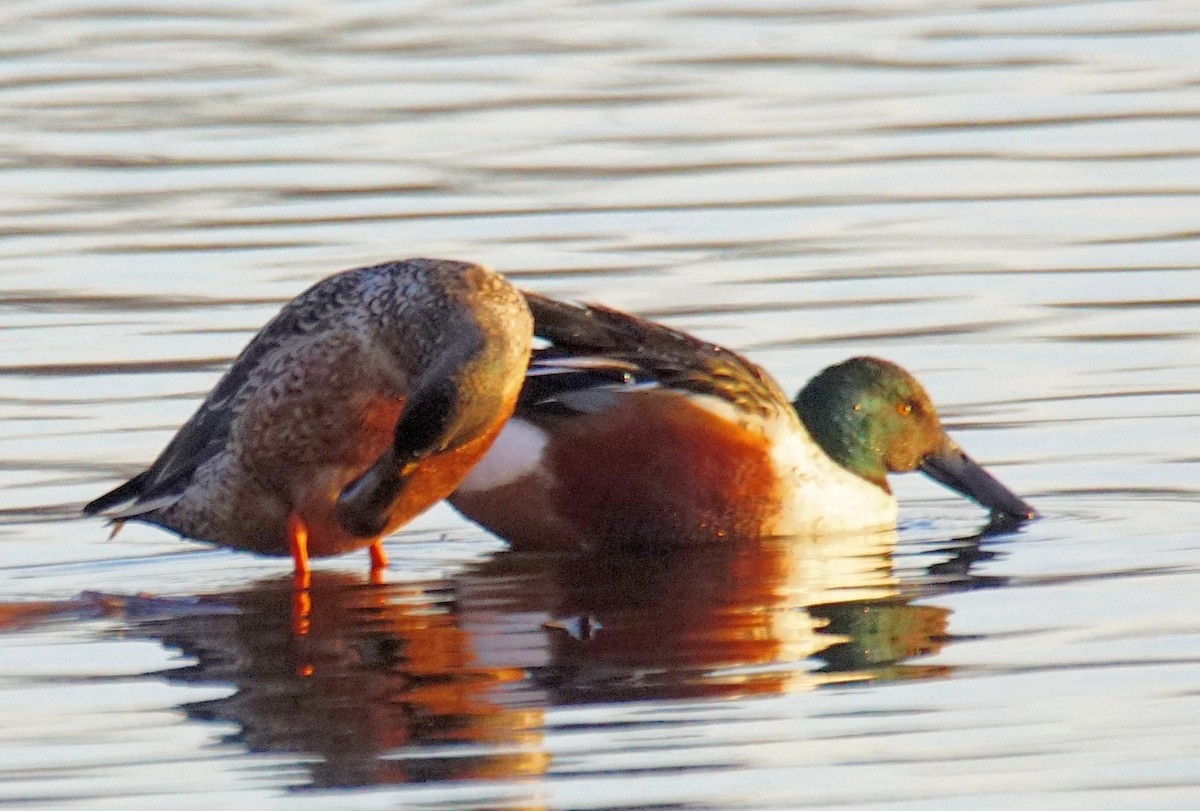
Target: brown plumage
{"points": [[630, 433], [360, 405]]}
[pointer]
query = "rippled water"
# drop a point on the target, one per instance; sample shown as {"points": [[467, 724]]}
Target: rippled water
{"points": [[1001, 196]]}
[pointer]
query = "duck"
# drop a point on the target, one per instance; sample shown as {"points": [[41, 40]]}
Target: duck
{"points": [[629, 433], [360, 405]]}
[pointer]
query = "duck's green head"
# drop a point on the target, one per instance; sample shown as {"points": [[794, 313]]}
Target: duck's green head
{"points": [[874, 418]]}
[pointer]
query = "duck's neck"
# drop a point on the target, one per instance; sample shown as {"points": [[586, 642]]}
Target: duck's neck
{"points": [[842, 430]]}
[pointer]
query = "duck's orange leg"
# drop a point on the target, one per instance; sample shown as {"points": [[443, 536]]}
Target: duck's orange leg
{"points": [[301, 600], [379, 561], [298, 545]]}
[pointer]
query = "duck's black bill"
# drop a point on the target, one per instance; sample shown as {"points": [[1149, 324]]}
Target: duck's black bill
{"points": [[953, 468]]}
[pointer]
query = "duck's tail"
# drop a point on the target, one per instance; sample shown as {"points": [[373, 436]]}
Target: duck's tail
{"points": [[129, 491]]}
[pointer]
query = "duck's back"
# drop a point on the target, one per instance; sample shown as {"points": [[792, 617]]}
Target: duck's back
{"points": [[629, 432]]}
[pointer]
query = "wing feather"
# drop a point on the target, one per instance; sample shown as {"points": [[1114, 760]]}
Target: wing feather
{"points": [[594, 353], [208, 430]]}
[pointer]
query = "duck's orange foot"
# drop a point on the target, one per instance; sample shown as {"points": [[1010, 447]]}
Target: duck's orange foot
{"points": [[379, 562]]}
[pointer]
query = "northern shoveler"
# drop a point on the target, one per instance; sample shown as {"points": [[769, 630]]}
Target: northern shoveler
{"points": [[628, 432], [364, 402]]}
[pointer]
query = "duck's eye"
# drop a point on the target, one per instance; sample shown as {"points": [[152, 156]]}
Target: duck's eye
{"points": [[904, 408]]}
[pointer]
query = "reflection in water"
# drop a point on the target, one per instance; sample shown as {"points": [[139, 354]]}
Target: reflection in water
{"points": [[381, 669], [721, 621], [1002, 194], [452, 680]]}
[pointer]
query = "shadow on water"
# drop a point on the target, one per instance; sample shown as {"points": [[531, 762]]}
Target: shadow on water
{"points": [[453, 680]]}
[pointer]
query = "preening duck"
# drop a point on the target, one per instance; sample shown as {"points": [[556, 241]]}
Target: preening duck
{"points": [[361, 404]]}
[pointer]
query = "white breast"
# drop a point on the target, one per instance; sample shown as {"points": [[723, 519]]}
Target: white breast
{"points": [[516, 452], [825, 497]]}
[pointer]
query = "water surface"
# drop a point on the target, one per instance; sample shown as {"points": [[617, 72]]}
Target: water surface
{"points": [[1000, 196]]}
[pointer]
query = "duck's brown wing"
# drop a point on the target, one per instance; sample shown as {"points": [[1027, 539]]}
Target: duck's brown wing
{"points": [[593, 353], [202, 437], [207, 432]]}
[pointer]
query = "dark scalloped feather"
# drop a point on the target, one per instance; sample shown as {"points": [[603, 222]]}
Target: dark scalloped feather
{"points": [[206, 433], [638, 352]]}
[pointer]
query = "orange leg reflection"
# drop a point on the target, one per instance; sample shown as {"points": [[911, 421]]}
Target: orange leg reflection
{"points": [[301, 611]]}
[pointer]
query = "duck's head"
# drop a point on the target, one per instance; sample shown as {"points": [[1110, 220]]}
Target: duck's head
{"points": [[874, 418]]}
